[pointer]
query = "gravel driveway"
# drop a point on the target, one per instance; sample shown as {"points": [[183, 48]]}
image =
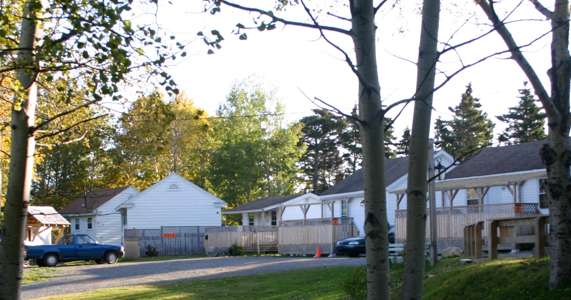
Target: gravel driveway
{"points": [[76, 279]]}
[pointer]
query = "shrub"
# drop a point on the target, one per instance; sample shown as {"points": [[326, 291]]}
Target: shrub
{"points": [[151, 251], [354, 283], [236, 250]]}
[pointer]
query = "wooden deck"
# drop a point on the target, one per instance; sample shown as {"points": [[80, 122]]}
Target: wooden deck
{"points": [[452, 220]]}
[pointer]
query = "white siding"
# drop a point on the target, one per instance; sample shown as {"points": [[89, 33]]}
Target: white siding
{"points": [[83, 225], [108, 221], [42, 238], [357, 212], [159, 206]]}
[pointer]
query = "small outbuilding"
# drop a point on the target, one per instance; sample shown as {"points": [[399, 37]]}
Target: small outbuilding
{"points": [[43, 222]]}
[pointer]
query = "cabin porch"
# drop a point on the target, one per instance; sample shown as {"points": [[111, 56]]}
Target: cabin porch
{"points": [[452, 220]]}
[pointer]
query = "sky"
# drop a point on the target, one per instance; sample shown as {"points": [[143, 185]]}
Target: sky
{"points": [[300, 65]]}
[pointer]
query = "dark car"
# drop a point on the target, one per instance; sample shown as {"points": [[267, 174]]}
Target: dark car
{"points": [[355, 246]]}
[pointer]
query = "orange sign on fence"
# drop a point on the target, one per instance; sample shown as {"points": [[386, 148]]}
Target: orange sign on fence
{"points": [[517, 207], [169, 235]]}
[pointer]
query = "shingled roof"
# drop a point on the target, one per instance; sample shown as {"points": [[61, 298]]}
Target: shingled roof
{"points": [[501, 160], [261, 203], [395, 168], [91, 201], [46, 215]]}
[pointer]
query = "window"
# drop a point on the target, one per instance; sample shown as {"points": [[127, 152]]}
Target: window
{"points": [[344, 208], [251, 219], [274, 218], [472, 197], [543, 201], [89, 223], [76, 224], [124, 217]]}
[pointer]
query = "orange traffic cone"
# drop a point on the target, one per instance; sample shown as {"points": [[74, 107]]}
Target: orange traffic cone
{"points": [[318, 254]]}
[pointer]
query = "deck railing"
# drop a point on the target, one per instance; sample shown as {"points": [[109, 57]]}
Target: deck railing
{"points": [[452, 220]]}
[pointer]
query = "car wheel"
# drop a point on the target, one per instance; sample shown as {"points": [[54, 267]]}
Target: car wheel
{"points": [[99, 261], [51, 260], [111, 257]]}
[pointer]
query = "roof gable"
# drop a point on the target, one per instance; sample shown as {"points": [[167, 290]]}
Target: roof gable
{"points": [[91, 201], [266, 203], [175, 183], [501, 160]]}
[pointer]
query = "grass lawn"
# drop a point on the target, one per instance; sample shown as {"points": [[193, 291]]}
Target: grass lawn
{"points": [[505, 279]]}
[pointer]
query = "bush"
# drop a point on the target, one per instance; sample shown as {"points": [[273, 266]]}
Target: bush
{"points": [[236, 250], [151, 251], [354, 283]]}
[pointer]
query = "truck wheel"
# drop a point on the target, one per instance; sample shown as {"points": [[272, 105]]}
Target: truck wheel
{"points": [[111, 257], [51, 260]]}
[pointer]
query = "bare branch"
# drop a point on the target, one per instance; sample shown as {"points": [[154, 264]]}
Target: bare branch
{"points": [[542, 9], [71, 127], [286, 22], [520, 59], [63, 114], [63, 143], [379, 6]]}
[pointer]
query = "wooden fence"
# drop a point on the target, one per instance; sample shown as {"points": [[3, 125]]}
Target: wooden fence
{"points": [[305, 236], [452, 220], [252, 238], [290, 237], [169, 240]]}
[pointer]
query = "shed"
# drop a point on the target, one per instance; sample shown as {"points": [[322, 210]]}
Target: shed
{"points": [[42, 220]]}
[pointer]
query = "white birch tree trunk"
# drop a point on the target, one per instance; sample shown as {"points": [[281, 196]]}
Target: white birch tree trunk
{"points": [[412, 286], [372, 139], [21, 159]]}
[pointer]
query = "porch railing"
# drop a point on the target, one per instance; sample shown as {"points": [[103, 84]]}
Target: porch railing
{"points": [[452, 220]]}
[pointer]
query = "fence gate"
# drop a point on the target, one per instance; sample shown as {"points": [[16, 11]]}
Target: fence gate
{"points": [[169, 240]]}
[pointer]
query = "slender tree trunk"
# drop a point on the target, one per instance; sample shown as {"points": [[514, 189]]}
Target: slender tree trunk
{"points": [[372, 137], [556, 154], [316, 168], [412, 287], [21, 160]]}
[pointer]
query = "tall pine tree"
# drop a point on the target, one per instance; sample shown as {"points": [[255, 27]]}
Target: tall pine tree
{"points": [[469, 130], [526, 122]]}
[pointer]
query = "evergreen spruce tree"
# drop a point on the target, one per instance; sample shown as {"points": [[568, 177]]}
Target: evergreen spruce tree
{"points": [[323, 163], [469, 130], [526, 122], [404, 143]]}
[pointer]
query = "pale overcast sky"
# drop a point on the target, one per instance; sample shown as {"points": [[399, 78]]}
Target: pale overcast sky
{"points": [[296, 59]]}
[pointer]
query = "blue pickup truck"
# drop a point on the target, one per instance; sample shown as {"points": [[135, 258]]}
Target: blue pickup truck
{"points": [[74, 247]]}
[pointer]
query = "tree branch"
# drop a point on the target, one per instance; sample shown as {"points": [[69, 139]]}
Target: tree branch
{"points": [[520, 59], [286, 22], [69, 128], [44, 123], [542, 9]]}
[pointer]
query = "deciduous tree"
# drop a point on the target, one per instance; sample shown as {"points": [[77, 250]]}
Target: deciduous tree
{"points": [[77, 40], [256, 150]]}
